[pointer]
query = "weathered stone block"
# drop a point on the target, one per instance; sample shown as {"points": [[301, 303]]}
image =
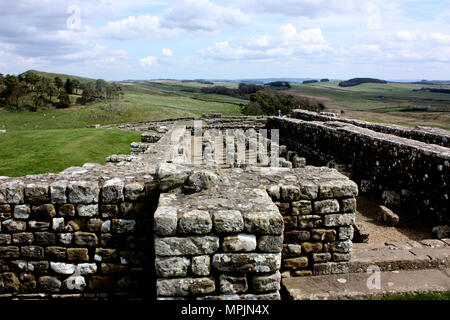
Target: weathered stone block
{"points": [[269, 222], [112, 191], [87, 210], [62, 268], [76, 283], [195, 221], [94, 225], [247, 262], [9, 252], [106, 226], [45, 238], [308, 190], [39, 225], [14, 226], [326, 206], [108, 268], [348, 205], [291, 250], [274, 192], [283, 207], [301, 207], [45, 210], [167, 267], [109, 211], [309, 221], [342, 246], [122, 225], [12, 192], [22, 238], [295, 263], [32, 252], [49, 284], [387, 216], [270, 243], [233, 284], [338, 257], [36, 193], [186, 246], [5, 238], [65, 238], [339, 220], [85, 269], [107, 255], [101, 283], [239, 243], [85, 239], [323, 235], [200, 180], [296, 236], [290, 223], [346, 233], [311, 247], [77, 254], [58, 192], [338, 189], [339, 268], [55, 253], [290, 193], [171, 176], [228, 221], [83, 192], [267, 282], [321, 257], [9, 282], [321, 268], [22, 211], [185, 286], [58, 224], [66, 210], [201, 265], [134, 191]]}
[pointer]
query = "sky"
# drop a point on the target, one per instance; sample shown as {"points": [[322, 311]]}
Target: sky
{"points": [[231, 39]]}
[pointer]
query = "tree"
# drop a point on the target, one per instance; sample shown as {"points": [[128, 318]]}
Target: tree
{"points": [[64, 100], [76, 85], [88, 94], [100, 88], [69, 86], [58, 83]]}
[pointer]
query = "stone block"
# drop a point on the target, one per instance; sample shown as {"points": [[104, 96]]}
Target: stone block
{"points": [[36, 193], [342, 246], [101, 283], [85, 269], [321, 257], [228, 221], [339, 220], [323, 235], [122, 226], [201, 265], [247, 262], [308, 190], [233, 284], [14, 226], [55, 253], [66, 210], [38, 225], [106, 226], [134, 191], [58, 192], [112, 191], [45, 210], [274, 192], [346, 233], [186, 246], [386, 216], [85, 239], [311, 247], [9, 252], [63, 268], [45, 238], [12, 192], [32, 252], [83, 192], [195, 222], [290, 193], [107, 255], [267, 282], [22, 238], [22, 211], [77, 254], [296, 236], [87, 210], [65, 238], [270, 243], [338, 257], [295, 263], [348, 205], [75, 283], [326, 206], [109, 211], [49, 284], [184, 286], [301, 207], [239, 243], [309, 222], [167, 267], [290, 223], [5, 238], [338, 189], [291, 250], [58, 224], [270, 222], [322, 268], [171, 176]]}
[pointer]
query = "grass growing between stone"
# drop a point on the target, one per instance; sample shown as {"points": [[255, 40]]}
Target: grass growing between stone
{"points": [[39, 151]]}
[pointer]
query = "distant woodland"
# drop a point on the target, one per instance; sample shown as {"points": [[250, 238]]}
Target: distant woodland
{"points": [[31, 92]]}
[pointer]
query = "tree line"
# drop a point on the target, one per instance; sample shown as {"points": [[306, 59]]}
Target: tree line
{"points": [[30, 91]]}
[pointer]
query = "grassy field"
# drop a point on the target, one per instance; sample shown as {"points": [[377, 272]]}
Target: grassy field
{"points": [[385, 103], [54, 139], [421, 296]]}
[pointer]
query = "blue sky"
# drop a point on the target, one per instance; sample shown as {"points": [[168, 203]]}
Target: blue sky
{"points": [[234, 39]]}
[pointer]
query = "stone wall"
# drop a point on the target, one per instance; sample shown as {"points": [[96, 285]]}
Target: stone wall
{"points": [[424, 134], [411, 174]]}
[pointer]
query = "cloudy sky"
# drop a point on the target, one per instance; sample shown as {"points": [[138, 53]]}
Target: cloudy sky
{"points": [[231, 39]]}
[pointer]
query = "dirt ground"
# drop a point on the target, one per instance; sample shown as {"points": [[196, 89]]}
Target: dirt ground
{"points": [[409, 228]]}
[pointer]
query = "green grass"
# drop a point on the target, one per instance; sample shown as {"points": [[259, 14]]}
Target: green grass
{"points": [[421, 296], [39, 151]]}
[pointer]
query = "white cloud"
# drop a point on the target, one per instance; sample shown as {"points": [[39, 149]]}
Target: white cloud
{"points": [[167, 52], [148, 61], [202, 15]]}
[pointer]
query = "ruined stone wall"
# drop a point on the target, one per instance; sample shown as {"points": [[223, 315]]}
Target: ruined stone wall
{"points": [[414, 173], [424, 134], [77, 239]]}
